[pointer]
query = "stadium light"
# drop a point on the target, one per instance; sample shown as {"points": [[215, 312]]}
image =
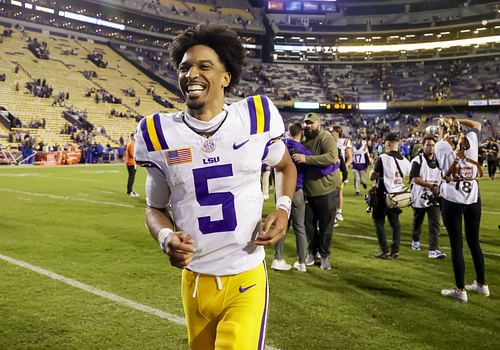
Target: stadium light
{"points": [[92, 20], [372, 106], [306, 105], [44, 9], [420, 46]]}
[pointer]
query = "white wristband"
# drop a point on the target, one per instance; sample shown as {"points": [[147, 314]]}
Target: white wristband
{"points": [[284, 203], [162, 237]]}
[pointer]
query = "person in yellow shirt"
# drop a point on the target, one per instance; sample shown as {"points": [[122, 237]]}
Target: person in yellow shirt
{"points": [[131, 166]]}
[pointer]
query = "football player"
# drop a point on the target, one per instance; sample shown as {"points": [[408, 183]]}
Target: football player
{"points": [[206, 162]]}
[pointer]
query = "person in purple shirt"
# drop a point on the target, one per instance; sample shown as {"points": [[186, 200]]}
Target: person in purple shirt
{"points": [[298, 211]]}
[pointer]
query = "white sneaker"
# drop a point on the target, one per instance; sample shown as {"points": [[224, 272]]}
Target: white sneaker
{"points": [[455, 293], [299, 267], [280, 265], [309, 260], [474, 287], [325, 264], [336, 223], [266, 196], [436, 254], [339, 217], [415, 245], [133, 194]]}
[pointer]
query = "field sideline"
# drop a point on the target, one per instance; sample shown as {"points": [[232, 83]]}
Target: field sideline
{"points": [[77, 223]]}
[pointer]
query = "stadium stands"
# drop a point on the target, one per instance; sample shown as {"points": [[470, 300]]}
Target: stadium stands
{"points": [[64, 73]]}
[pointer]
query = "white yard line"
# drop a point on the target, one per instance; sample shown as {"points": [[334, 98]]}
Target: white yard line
{"points": [[68, 198], [102, 293]]}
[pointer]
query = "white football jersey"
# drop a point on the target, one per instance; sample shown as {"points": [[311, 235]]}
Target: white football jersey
{"points": [[466, 190], [420, 194], [213, 184], [392, 178], [343, 144], [359, 157]]}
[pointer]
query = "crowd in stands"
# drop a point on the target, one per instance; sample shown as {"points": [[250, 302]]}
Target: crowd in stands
{"points": [[39, 88], [89, 74], [458, 79], [102, 95], [97, 58], [38, 48], [127, 114], [37, 123], [60, 99], [162, 101]]}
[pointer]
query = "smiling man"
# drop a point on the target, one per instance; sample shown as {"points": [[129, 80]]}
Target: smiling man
{"points": [[205, 162]]}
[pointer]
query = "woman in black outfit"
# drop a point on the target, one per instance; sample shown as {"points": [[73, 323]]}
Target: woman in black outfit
{"points": [[457, 155]]}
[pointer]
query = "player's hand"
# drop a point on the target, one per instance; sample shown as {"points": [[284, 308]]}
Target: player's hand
{"points": [[299, 158], [180, 249], [274, 228]]}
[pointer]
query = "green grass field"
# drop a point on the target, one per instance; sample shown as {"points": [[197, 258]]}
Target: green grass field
{"points": [[77, 222]]}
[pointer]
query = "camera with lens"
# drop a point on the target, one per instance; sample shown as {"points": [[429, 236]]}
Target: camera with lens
{"points": [[431, 198]]}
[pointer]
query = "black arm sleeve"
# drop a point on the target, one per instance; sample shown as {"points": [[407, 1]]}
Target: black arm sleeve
{"points": [[415, 169]]}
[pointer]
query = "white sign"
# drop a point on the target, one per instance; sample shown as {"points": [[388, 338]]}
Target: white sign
{"points": [[478, 103], [379, 106]]}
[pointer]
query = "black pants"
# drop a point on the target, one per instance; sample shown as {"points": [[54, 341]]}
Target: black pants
{"points": [[379, 213], [492, 168], [320, 217], [433, 218], [131, 178], [452, 218]]}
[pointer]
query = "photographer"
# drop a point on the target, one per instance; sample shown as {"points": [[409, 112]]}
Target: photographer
{"points": [[389, 170], [426, 176], [492, 157], [457, 154]]}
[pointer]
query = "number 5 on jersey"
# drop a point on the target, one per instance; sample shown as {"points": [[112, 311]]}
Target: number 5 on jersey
{"points": [[205, 198]]}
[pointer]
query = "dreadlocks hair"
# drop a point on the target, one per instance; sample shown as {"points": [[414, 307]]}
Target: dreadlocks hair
{"points": [[219, 38], [450, 125]]}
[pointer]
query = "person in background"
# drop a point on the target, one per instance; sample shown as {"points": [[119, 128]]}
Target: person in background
{"points": [[298, 212], [389, 171], [492, 157], [322, 191], [426, 178], [457, 153], [345, 146], [360, 162], [131, 166]]}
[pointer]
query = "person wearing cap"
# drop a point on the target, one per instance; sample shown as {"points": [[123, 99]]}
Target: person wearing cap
{"points": [[389, 172], [321, 190]]}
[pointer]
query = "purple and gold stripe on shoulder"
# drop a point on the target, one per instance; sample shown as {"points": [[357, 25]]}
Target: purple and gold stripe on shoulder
{"points": [[152, 133], [260, 115]]}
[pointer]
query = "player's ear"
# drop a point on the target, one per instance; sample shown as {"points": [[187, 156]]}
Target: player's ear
{"points": [[226, 79]]}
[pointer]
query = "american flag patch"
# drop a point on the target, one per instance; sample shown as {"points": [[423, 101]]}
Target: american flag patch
{"points": [[178, 156]]}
